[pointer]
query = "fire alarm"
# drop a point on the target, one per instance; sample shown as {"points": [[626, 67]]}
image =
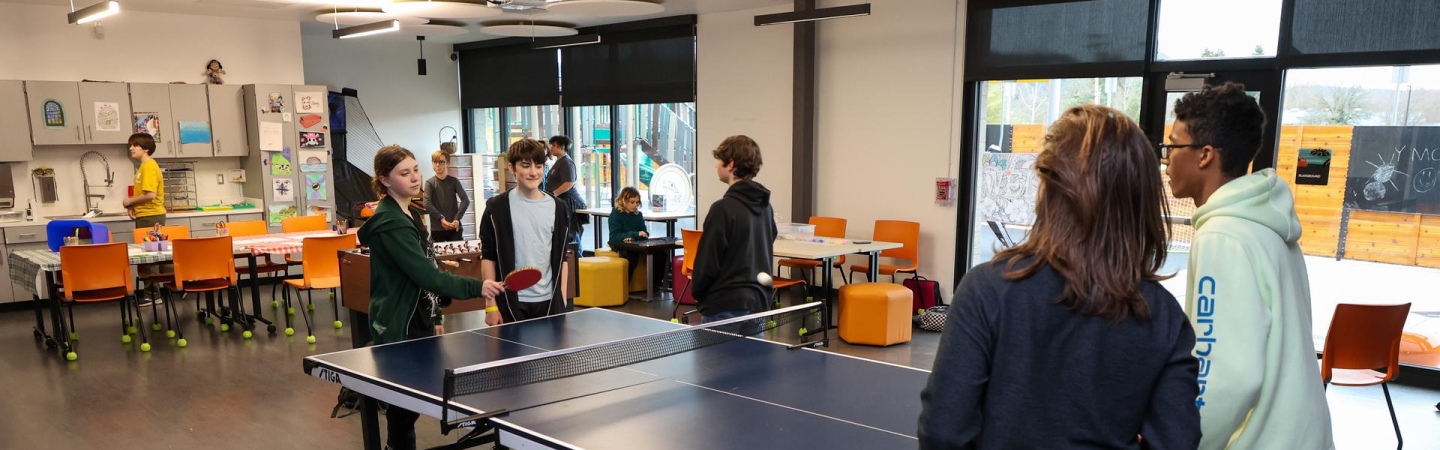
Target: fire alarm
{"points": [[945, 191]]}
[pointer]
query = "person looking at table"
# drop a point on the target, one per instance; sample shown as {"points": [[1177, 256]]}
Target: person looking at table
{"points": [[1068, 339], [627, 224], [525, 228], [738, 239], [445, 198], [560, 182], [405, 282]]}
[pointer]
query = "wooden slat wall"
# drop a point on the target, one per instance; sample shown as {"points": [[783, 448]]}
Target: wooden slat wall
{"points": [[1028, 138], [1318, 206], [1428, 244]]}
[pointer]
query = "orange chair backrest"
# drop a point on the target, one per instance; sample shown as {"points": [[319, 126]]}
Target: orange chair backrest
{"points": [[247, 228], [204, 258], [692, 246], [322, 256], [174, 231], [304, 223], [903, 232], [833, 227], [1364, 337], [94, 267]]}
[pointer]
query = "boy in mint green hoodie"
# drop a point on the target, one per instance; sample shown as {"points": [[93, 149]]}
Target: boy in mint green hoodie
{"points": [[1248, 292]]}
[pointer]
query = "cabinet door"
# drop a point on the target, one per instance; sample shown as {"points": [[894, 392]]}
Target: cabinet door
{"points": [[204, 226], [19, 292], [227, 120], [14, 123], [7, 295], [192, 108], [54, 112], [105, 109], [153, 100]]}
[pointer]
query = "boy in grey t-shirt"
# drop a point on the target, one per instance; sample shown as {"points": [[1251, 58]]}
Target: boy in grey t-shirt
{"points": [[525, 227]]}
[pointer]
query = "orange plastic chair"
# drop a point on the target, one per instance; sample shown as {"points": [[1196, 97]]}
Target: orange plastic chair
{"points": [[691, 240], [263, 263], [1363, 338], [159, 276], [321, 270], [298, 224], [99, 273], [207, 265], [907, 233], [832, 227]]}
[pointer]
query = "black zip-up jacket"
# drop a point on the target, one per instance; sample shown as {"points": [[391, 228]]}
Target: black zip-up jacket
{"points": [[497, 243], [738, 243]]}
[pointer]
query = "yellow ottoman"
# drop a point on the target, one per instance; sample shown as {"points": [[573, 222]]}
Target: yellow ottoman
{"points": [[875, 313], [637, 282], [601, 282]]}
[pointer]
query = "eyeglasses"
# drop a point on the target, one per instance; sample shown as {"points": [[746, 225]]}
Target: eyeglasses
{"points": [[1165, 148]]}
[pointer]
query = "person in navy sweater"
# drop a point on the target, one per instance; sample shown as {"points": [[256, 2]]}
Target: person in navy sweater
{"points": [[1068, 340]]}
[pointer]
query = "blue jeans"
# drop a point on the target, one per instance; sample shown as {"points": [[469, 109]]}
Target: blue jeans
{"points": [[748, 328]]}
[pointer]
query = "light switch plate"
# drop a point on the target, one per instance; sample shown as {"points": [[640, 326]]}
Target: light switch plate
{"points": [[219, 178]]}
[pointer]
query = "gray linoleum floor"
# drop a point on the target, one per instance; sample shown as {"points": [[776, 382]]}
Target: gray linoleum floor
{"points": [[224, 392]]}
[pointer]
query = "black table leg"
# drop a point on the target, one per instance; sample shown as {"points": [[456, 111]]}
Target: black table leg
{"points": [[874, 272], [57, 321], [670, 228], [649, 277], [829, 303], [597, 231]]}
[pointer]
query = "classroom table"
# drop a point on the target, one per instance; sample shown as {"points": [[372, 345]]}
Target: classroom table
{"points": [[669, 218]]}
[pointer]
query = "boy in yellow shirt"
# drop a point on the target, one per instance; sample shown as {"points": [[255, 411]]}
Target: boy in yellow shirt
{"points": [[147, 207]]}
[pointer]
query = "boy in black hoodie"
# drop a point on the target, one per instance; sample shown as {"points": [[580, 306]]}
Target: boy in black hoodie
{"points": [[524, 227], [738, 239]]}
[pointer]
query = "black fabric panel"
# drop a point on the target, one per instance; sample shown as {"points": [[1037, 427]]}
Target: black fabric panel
{"points": [[508, 76], [1354, 26], [634, 67], [1057, 34]]}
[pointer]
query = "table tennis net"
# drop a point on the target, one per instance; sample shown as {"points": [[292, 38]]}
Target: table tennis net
{"points": [[594, 358]]}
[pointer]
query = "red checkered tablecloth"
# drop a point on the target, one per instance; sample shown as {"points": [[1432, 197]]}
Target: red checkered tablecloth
{"points": [[278, 244]]}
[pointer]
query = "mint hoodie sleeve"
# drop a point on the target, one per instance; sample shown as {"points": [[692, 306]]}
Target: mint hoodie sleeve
{"points": [[1231, 319]]}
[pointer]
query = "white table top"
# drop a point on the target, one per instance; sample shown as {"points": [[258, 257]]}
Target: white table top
{"points": [[786, 248], [652, 216]]}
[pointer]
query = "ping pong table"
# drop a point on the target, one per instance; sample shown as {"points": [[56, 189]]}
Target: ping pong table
{"points": [[743, 393]]}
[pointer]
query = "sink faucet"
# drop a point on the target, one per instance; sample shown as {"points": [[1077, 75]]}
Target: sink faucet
{"points": [[85, 179]]}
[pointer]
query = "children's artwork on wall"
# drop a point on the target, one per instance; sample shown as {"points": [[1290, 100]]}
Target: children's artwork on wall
{"points": [[271, 136], [213, 71], [280, 163], [148, 123], [277, 103], [313, 161], [309, 120], [312, 139], [54, 114], [236, 175], [283, 190], [107, 116], [281, 212], [315, 187], [310, 102], [194, 132]]}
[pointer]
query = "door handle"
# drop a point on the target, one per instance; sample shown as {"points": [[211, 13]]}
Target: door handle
{"points": [[27, 235], [217, 148], [89, 133], [77, 132]]}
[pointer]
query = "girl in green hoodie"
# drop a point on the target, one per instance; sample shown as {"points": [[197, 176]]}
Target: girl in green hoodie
{"points": [[405, 283], [627, 224]]}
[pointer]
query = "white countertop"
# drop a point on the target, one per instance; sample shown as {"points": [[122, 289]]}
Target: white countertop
{"points": [[40, 222]]}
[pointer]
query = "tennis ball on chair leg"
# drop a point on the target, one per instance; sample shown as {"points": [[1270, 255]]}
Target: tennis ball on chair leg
{"points": [[247, 334], [309, 339], [125, 338], [131, 330], [169, 334], [275, 304], [71, 356], [145, 347], [339, 324], [289, 331], [181, 343], [224, 327], [155, 327]]}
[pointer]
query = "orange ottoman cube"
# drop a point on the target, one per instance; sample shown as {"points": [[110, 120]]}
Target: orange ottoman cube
{"points": [[875, 313]]}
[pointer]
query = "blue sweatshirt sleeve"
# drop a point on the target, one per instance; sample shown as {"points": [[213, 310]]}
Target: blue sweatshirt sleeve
{"points": [[950, 411]]}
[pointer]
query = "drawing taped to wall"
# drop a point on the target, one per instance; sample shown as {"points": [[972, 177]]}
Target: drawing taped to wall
{"points": [[54, 114], [315, 187], [148, 123], [1007, 187], [107, 116], [312, 139], [1394, 169]]}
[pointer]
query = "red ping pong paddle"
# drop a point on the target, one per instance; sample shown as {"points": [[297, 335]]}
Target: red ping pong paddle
{"points": [[522, 278]]}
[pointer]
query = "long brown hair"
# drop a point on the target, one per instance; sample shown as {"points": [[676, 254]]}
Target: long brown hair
{"points": [[1099, 215], [385, 161]]}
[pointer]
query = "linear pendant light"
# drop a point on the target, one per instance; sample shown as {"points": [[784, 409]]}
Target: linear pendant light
{"points": [[837, 12], [384, 26], [567, 41], [93, 12]]}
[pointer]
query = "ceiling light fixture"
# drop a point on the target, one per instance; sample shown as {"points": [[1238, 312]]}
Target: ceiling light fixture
{"points": [[93, 12], [421, 61], [837, 12], [567, 41], [385, 26]]}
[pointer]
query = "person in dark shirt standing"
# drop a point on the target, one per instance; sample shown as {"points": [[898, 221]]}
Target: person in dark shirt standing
{"points": [[445, 199], [561, 180], [1068, 340], [738, 240]]}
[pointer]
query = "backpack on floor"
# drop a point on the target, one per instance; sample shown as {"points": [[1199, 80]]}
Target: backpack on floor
{"points": [[933, 318], [926, 293]]}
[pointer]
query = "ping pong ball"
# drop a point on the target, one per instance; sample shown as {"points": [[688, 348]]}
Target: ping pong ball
{"points": [[764, 279]]}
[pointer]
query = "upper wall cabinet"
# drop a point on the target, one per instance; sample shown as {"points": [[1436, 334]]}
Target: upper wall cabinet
{"points": [[54, 112], [151, 102], [191, 108], [14, 122], [106, 112], [227, 119]]}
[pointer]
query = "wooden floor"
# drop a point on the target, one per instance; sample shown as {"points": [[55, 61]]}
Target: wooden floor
{"points": [[224, 392]]}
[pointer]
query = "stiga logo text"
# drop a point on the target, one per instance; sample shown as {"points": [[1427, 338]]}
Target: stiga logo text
{"points": [[1205, 334], [327, 375]]}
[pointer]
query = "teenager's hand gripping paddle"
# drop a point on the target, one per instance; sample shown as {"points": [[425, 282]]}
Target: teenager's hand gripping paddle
{"points": [[522, 278]]}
